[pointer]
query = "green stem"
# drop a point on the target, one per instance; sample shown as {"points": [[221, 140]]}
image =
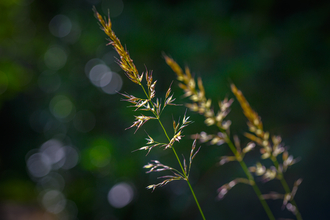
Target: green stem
{"points": [[176, 155], [286, 187], [161, 124], [251, 179], [185, 176], [192, 191]]}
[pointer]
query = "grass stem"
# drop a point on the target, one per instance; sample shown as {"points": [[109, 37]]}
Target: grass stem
{"points": [[286, 187], [176, 155], [186, 178], [251, 179]]}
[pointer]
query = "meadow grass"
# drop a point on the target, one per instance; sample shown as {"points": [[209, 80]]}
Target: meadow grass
{"points": [[153, 106], [271, 148]]}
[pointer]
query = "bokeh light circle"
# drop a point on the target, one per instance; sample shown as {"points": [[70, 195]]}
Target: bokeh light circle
{"points": [[61, 107], [60, 26], [114, 85], [52, 181], [71, 157], [54, 150], [100, 155], [54, 201], [90, 64], [120, 195], [38, 164], [100, 75]]}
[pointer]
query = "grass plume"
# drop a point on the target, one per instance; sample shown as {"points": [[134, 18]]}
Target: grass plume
{"points": [[202, 105], [270, 148], [152, 105]]}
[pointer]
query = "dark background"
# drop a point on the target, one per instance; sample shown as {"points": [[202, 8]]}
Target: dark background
{"points": [[276, 52]]}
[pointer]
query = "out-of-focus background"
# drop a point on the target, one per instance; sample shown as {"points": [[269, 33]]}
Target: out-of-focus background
{"points": [[64, 150]]}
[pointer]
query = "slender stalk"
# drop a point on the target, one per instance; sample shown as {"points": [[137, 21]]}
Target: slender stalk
{"points": [[202, 105], [286, 187], [251, 179], [176, 155], [192, 191], [186, 178], [126, 63], [255, 126]]}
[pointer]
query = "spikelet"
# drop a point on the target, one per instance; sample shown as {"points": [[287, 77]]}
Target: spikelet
{"points": [[223, 190], [271, 148], [125, 61], [200, 104]]}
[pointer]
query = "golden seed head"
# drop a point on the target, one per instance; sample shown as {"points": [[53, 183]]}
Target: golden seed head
{"points": [[175, 67], [259, 132], [219, 116], [259, 169], [193, 107], [194, 98], [226, 124], [209, 113], [249, 147], [266, 135], [270, 174], [265, 143], [209, 121], [251, 115], [265, 155]]}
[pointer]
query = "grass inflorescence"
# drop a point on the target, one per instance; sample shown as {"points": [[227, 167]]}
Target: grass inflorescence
{"points": [[154, 107], [271, 147]]}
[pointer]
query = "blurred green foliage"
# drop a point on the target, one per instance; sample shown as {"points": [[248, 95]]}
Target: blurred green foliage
{"points": [[276, 52]]}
